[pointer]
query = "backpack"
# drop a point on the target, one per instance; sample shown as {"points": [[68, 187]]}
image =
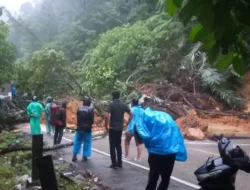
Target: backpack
{"points": [[55, 115]]}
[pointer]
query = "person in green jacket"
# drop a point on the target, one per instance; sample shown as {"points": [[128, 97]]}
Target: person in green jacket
{"points": [[49, 128], [34, 111]]}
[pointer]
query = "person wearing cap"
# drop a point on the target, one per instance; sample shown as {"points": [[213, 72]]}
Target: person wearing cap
{"points": [[34, 111], [83, 135], [49, 127]]}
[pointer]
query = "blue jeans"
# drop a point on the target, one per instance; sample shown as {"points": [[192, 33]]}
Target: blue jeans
{"points": [[84, 138]]}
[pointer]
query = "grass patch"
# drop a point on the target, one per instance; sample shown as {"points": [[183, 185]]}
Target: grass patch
{"points": [[18, 163], [9, 139], [13, 164]]}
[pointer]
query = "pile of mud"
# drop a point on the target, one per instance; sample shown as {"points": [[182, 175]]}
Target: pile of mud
{"points": [[172, 93], [195, 126], [178, 101], [199, 115]]}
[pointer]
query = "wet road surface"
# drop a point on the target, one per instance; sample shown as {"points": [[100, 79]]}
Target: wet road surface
{"points": [[135, 172]]}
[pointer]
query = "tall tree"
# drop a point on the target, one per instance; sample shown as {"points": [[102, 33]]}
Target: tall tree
{"points": [[7, 54]]}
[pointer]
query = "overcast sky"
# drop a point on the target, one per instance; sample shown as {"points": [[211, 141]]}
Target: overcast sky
{"points": [[13, 5]]}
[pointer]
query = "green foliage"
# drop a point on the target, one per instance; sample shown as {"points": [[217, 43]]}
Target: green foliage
{"points": [[63, 25], [98, 46], [1, 11], [47, 74], [7, 54], [195, 64], [75, 41], [128, 51], [223, 27], [12, 164]]}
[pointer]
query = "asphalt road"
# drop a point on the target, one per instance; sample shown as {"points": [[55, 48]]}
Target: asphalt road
{"points": [[183, 174]]}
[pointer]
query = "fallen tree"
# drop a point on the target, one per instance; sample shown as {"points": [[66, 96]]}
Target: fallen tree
{"points": [[20, 147], [15, 148], [12, 112]]}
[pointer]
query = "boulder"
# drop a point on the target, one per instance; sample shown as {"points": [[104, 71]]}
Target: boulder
{"points": [[194, 134]]}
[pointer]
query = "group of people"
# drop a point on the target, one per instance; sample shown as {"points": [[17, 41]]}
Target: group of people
{"points": [[155, 129], [35, 110]]}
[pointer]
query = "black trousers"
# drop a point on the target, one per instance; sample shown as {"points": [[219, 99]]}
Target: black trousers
{"points": [[160, 165], [115, 139], [58, 135]]}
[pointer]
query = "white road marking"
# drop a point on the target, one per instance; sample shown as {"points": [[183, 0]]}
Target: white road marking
{"points": [[203, 151], [143, 167], [208, 143]]}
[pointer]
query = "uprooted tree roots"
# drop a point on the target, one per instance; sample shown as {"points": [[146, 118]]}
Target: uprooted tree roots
{"points": [[177, 101], [12, 112]]}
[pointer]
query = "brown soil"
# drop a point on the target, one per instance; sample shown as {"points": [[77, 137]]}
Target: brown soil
{"points": [[228, 125], [181, 106], [71, 117], [180, 101]]}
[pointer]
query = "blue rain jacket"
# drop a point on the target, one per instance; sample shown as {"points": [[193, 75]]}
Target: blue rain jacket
{"points": [[138, 112], [161, 135]]}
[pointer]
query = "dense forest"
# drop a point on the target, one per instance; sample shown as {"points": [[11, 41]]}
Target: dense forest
{"points": [[61, 47]]}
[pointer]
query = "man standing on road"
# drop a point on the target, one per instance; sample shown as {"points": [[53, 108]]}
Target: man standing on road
{"points": [[164, 142], [131, 131], [49, 127], [83, 135], [34, 111], [61, 124], [114, 121]]}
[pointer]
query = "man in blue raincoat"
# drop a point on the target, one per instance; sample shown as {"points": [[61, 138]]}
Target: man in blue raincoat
{"points": [[49, 128], [34, 111], [83, 135], [164, 142]]}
